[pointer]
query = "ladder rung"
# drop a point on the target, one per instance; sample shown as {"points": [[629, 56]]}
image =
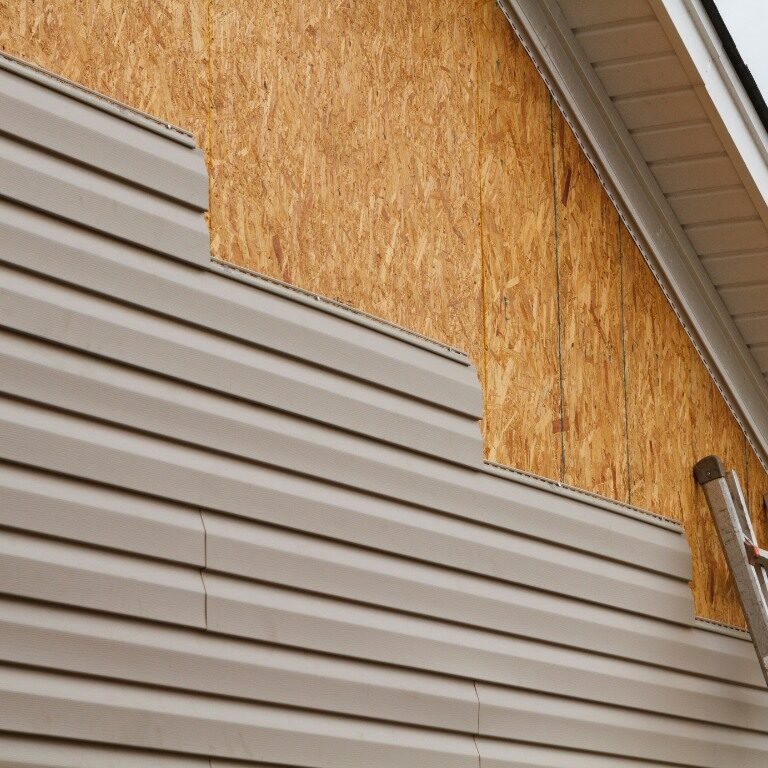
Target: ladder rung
{"points": [[755, 555]]}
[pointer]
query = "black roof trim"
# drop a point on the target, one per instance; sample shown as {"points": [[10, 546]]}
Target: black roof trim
{"points": [[742, 70]]}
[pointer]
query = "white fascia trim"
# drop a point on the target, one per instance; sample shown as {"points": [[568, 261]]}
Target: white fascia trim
{"points": [[644, 209], [720, 91]]}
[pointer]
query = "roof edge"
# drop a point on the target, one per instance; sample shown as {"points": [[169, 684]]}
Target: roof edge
{"points": [[740, 67], [734, 116], [645, 211]]}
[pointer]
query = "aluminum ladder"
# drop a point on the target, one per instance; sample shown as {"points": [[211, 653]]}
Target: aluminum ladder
{"points": [[746, 560]]}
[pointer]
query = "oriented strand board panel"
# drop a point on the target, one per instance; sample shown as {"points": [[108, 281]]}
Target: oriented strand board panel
{"points": [[345, 158], [594, 424], [659, 358], [757, 490], [675, 416], [715, 431], [150, 54], [522, 377]]}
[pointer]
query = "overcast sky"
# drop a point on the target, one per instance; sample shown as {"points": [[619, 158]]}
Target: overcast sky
{"points": [[747, 21]]}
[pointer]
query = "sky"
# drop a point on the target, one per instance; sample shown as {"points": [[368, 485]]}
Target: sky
{"points": [[747, 21]]}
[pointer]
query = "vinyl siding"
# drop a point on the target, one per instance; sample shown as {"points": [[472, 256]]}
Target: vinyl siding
{"points": [[241, 525]]}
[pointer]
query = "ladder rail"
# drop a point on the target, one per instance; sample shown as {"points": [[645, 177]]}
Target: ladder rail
{"points": [[755, 555], [734, 528]]}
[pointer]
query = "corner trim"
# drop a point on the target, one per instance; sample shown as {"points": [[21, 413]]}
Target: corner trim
{"points": [[646, 212]]}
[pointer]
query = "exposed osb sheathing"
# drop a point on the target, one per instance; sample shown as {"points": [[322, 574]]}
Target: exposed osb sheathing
{"points": [[592, 367], [675, 416], [659, 357], [714, 431], [757, 492], [150, 54], [522, 392], [344, 154], [405, 158]]}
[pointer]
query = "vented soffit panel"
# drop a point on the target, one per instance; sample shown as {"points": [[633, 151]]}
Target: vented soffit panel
{"points": [[659, 111]]}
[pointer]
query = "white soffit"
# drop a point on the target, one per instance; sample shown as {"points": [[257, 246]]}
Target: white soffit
{"points": [[660, 113]]}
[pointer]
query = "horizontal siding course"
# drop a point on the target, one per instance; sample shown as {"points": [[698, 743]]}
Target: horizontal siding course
{"points": [[30, 752], [67, 508], [262, 611], [61, 125], [215, 302], [240, 526], [72, 192], [118, 648], [537, 717], [77, 708], [70, 574], [530, 562]]}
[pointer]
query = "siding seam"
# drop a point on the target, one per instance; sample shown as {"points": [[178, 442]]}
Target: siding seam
{"points": [[557, 283], [476, 735], [204, 569], [624, 362], [483, 288]]}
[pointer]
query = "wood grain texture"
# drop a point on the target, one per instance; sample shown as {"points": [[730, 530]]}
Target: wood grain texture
{"points": [[591, 324], [522, 390], [675, 417], [150, 54], [757, 489], [344, 155], [659, 358], [715, 430]]}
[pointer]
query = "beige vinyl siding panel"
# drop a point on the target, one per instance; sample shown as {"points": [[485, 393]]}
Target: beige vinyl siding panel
{"points": [[43, 569], [243, 527], [31, 752], [67, 508], [79, 133]]}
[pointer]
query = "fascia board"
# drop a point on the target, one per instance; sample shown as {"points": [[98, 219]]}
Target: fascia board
{"points": [[720, 92], [644, 209]]}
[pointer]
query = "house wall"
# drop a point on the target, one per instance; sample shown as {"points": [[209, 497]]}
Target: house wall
{"points": [[243, 527], [406, 159]]}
